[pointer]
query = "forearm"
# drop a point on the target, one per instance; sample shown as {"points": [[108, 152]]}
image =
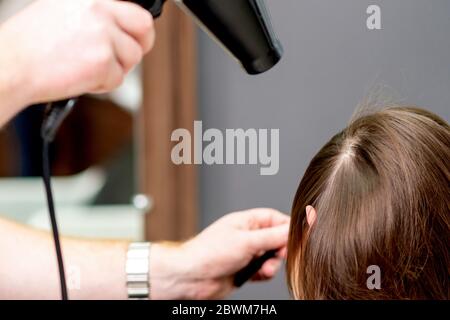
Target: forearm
{"points": [[94, 269], [15, 90], [28, 268], [202, 268]]}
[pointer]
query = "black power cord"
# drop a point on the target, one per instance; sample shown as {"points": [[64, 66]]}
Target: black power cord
{"points": [[52, 213], [54, 117]]}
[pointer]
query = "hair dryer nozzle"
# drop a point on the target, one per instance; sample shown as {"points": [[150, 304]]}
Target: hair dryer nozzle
{"points": [[243, 27]]}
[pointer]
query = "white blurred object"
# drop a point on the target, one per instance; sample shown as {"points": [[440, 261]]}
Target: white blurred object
{"points": [[101, 222], [77, 189], [142, 202], [21, 197], [129, 94]]}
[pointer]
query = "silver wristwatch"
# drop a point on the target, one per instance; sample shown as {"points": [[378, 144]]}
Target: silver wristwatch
{"points": [[138, 271]]}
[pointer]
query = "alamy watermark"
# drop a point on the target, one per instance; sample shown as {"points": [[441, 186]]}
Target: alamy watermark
{"points": [[374, 280], [374, 17], [231, 147]]}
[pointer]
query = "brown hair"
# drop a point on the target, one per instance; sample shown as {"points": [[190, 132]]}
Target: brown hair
{"points": [[381, 190]]}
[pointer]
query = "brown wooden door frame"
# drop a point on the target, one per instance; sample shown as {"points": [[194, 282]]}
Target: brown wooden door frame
{"points": [[170, 102]]}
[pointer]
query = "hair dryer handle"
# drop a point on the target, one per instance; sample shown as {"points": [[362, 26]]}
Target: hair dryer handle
{"points": [[154, 6], [55, 114]]}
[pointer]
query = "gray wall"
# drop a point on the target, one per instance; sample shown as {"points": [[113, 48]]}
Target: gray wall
{"points": [[331, 63]]}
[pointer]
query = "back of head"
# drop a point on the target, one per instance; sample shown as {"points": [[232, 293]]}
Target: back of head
{"points": [[381, 190]]}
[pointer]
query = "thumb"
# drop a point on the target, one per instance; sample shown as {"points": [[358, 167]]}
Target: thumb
{"points": [[268, 238]]}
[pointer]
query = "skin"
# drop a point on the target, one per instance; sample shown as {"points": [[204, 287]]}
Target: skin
{"points": [[56, 49], [201, 268], [311, 215]]}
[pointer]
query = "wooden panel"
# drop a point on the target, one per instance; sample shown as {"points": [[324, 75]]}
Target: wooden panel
{"points": [[169, 103]]}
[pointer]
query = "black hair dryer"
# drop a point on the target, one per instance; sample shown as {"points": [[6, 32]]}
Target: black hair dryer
{"points": [[242, 27]]}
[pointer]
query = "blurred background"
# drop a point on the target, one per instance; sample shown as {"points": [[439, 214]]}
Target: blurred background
{"points": [[112, 157], [93, 160]]}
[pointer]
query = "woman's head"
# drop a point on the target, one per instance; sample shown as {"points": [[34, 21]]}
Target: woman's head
{"points": [[377, 194]]}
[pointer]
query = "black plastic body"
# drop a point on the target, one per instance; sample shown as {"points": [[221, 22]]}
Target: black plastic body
{"points": [[154, 6], [55, 114], [249, 271], [244, 29]]}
